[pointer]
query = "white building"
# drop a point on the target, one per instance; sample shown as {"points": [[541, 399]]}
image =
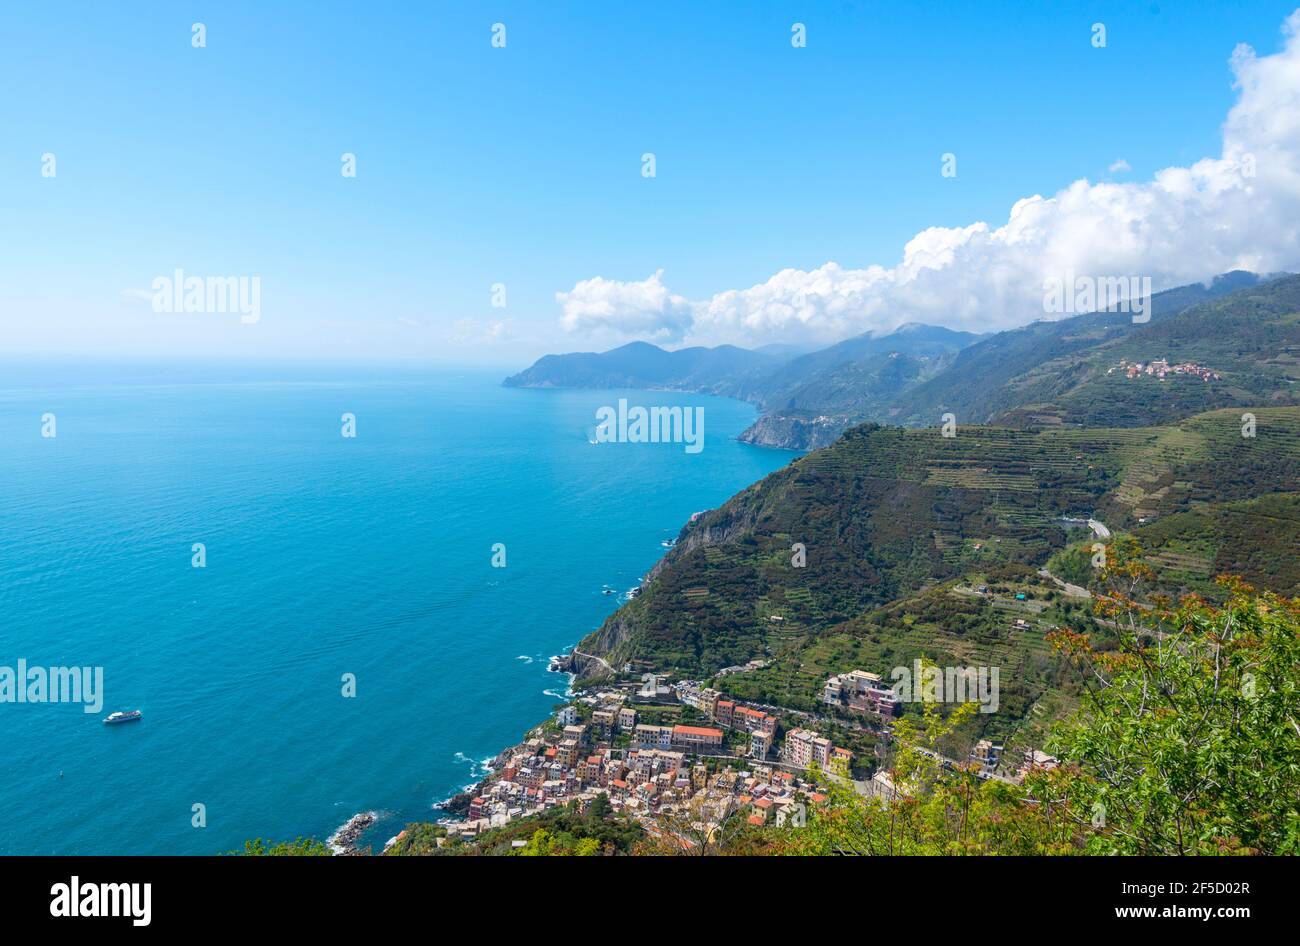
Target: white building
{"points": [[803, 747]]}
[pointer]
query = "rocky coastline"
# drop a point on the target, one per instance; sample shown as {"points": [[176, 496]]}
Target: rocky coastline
{"points": [[343, 842]]}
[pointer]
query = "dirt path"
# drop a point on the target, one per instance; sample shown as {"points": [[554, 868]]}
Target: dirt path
{"points": [[600, 660]]}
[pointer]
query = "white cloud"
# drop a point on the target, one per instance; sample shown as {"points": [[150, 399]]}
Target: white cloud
{"points": [[1240, 210], [1119, 166], [644, 309]]}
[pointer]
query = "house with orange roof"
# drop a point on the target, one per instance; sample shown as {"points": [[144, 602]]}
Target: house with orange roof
{"points": [[722, 712], [752, 720], [697, 738]]}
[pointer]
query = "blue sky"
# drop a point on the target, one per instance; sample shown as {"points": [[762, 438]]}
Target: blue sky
{"points": [[522, 165]]}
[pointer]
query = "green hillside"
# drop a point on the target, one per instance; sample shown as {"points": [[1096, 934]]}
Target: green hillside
{"points": [[1255, 539], [812, 399], [1060, 372], [952, 624], [885, 512]]}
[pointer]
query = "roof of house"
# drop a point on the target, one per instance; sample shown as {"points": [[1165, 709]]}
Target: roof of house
{"points": [[698, 731]]}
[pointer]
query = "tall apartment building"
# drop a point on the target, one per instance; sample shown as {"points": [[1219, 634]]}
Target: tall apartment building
{"points": [[752, 720], [722, 712], [862, 692], [804, 747], [603, 722], [652, 762], [708, 702], [987, 754], [653, 737], [577, 733]]}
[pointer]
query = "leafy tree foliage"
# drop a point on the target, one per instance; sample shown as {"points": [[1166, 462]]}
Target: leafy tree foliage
{"points": [[1187, 742], [298, 847]]}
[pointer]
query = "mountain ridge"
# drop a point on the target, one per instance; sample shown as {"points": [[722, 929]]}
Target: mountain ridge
{"points": [[1046, 372]]}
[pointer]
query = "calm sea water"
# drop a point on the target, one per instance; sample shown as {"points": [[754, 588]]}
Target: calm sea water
{"points": [[325, 556]]}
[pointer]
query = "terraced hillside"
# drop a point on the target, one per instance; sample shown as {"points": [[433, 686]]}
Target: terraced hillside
{"points": [[997, 617], [1243, 329], [1069, 372], [1255, 539], [1258, 540], [884, 512]]}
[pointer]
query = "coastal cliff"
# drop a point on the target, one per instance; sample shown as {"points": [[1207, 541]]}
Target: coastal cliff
{"points": [[793, 432]]}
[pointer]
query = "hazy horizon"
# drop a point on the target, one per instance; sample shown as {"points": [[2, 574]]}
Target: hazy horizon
{"points": [[486, 189]]}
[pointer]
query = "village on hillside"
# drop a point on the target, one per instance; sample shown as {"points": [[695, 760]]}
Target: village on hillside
{"points": [[721, 760], [1160, 368]]}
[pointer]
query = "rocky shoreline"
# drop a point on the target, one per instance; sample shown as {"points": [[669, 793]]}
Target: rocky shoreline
{"points": [[343, 842], [458, 804]]}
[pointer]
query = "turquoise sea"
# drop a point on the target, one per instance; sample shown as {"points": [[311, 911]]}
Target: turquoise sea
{"points": [[326, 556]]}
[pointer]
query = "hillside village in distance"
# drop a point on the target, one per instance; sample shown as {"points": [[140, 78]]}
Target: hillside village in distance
{"points": [[719, 759], [1161, 369]]}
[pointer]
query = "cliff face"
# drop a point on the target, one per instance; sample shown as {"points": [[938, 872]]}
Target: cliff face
{"points": [[615, 640], [612, 637], [790, 432]]}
